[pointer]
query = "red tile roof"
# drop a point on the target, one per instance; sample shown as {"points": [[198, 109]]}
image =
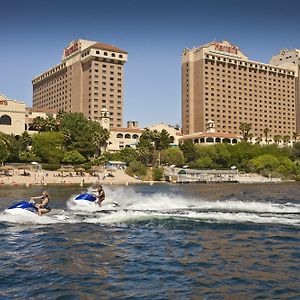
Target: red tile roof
{"points": [[124, 129], [210, 134], [45, 110], [108, 47]]}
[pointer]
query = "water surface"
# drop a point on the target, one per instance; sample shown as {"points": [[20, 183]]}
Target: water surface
{"points": [[196, 241]]}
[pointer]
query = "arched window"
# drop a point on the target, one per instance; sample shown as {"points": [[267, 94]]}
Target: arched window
{"points": [[119, 135], [172, 139], [113, 55], [127, 136], [120, 56], [218, 140], [234, 141], [5, 120], [97, 52], [226, 141], [135, 136], [202, 140], [209, 140], [196, 141], [105, 53]]}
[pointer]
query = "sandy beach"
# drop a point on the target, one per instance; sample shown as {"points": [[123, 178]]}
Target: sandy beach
{"points": [[44, 177]]}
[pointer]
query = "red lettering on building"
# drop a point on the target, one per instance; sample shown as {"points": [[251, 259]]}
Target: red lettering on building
{"points": [[230, 49], [3, 102], [72, 49]]}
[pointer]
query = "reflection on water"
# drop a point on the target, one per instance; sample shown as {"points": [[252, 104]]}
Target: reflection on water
{"points": [[179, 242]]}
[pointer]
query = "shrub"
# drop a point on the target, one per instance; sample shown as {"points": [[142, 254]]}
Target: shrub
{"points": [[157, 174], [73, 157], [51, 167], [136, 168]]}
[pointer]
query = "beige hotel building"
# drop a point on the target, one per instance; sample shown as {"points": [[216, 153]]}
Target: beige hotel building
{"points": [[220, 84], [89, 78]]}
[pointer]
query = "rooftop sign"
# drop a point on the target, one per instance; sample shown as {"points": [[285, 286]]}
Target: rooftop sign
{"points": [[226, 48], [71, 49]]}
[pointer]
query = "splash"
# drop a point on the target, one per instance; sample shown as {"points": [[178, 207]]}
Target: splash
{"points": [[135, 207]]}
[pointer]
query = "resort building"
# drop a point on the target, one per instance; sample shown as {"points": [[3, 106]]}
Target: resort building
{"points": [[90, 77], [122, 137], [220, 84], [210, 136], [12, 116], [290, 58]]}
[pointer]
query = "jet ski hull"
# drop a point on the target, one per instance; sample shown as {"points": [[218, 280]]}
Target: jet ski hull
{"points": [[22, 209]]}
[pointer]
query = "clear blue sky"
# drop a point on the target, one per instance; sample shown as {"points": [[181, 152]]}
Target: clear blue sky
{"points": [[34, 33]]}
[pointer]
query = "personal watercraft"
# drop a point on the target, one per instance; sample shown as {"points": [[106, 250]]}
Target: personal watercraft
{"points": [[89, 201], [22, 208]]}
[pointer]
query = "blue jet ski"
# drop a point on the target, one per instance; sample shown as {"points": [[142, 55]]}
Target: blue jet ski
{"points": [[22, 208], [85, 197], [88, 201]]}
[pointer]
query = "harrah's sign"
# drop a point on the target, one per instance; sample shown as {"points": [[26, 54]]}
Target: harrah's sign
{"points": [[224, 48], [72, 49]]}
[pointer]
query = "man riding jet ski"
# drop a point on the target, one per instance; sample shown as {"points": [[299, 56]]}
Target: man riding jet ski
{"points": [[91, 199]]}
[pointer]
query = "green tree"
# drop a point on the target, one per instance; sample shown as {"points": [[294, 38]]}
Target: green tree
{"points": [[136, 168], [277, 138], [163, 141], [38, 124], [50, 124], [25, 140], [203, 163], [100, 139], [128, 155], [265, 162], [73, 157], [295, 136], [28, 156], [172, 156], [80, 132], [48, 146], [286, 139], [4, 153], [266, 133], [245, 128], [157, 174], [189, 150]]}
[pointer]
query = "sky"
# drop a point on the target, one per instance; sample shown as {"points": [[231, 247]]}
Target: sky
{"points": [[34, 33]]}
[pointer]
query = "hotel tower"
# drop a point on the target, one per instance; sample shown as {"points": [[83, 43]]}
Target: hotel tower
{"points": [[88, 79], [220, 84]]}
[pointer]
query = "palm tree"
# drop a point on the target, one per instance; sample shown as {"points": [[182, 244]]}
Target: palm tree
{"points": [[277, 139], [50, 124], [245, 128], [66, 137], [286, 139], [295, 135], [26, 140], [100, 139], [258, 140], [38, 124], [266, 132]]}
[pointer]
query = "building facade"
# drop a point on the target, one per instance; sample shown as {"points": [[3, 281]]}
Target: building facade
{"points": [[89, 78], [12, 116], [220, 83], [290, 58]]}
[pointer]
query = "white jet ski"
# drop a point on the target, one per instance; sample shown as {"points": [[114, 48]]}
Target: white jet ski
{"points": [[23, 208], [88, 201]]}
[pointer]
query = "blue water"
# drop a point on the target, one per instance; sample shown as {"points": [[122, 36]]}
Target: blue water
{"points": [[202, 241]]}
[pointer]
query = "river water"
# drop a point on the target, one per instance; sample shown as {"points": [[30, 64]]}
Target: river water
{"points": [[195, 241]]}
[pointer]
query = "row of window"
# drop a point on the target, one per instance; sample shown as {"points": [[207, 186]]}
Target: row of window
{"points": [[127, 136], [249, 65]]}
